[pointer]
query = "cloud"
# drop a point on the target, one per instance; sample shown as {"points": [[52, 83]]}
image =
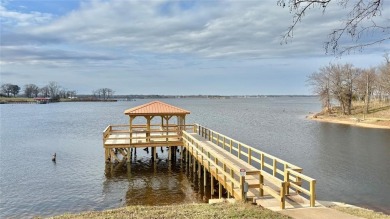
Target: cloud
{"points": [[149, 41], [246, 29], [53, 57], [18, 19]]}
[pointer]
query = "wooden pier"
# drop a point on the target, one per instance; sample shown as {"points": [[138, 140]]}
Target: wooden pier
{"points": [[244, 172]]}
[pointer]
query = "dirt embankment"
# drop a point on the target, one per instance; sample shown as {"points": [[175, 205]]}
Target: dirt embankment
{"points": [[377, 117]]}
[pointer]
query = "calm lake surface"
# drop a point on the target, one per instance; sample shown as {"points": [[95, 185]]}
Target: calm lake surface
{"points": [[350, 164]]}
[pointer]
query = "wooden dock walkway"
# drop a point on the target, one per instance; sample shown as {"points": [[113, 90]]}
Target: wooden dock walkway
{"points": [[246, 173], [243, 172]]}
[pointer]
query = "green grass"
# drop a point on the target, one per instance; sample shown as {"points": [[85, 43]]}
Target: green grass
{"points": [[361, 212], [206, 211]]}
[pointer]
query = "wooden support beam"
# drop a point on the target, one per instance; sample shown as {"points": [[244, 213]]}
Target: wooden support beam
{"points": [[106, 154], [242, 182], [204, 176], [114, 156], [282, 196], [121, 150], [212, 184], [199, 170], [231, 183], [194, 164], [220, 190], [129, 151], [154, 153], [261, 182]]}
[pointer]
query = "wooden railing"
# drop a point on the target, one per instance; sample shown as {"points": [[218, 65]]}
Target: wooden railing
{"points": [[283, 175], [156, 132], [296, 185], [107, 132], [222, 166], [290, 174], [231, 172]]}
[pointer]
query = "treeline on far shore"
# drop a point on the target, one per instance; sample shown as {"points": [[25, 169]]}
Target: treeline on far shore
{"points": [[52, 92], [12, 100]]}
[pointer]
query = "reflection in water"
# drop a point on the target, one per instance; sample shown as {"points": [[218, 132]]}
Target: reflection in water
{"points": [[350, 164], [154, 183]]}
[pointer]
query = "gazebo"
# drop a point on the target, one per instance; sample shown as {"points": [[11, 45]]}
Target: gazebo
{"points": [[163, 127], [151, 134]]}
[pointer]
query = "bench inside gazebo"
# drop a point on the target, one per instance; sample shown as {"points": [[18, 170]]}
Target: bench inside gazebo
{"points": [[154, 124]]}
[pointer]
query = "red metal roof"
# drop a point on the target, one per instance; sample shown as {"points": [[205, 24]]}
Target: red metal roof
{"points": [[156, 108]]}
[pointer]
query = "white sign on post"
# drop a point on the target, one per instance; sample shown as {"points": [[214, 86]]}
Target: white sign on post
{"points": [[242, 172]]}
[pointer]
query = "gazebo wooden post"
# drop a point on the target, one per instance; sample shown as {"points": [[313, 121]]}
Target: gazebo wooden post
{"points": [[147, 134], [162, 128], [180, 132], [166, 112], [153, 149], [167, 132], [131, 133], [147, 129]]}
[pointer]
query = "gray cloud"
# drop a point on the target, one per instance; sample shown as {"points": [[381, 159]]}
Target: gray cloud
{"points": [[228, 29], [137, 39]]}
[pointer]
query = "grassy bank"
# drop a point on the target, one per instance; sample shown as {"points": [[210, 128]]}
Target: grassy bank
{"points": [[222, 210], [16, 100], [361, 212], [378, 116]]}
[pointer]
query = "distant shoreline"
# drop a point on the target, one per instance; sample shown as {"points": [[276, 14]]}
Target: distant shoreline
{"points": [[376, 123], [32, 101]]}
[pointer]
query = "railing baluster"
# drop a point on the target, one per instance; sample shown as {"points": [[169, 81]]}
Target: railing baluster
{"points": [[312, 193], [274, 167]]}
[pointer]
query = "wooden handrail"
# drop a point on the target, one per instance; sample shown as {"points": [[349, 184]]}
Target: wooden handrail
{"points": [[311, 192], [240, 144], [277, 182], [219, 169], [230, 165], [254, 155], [204, 156]]}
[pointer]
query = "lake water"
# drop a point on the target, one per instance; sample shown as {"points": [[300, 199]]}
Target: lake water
{"points": [[350, 164]]}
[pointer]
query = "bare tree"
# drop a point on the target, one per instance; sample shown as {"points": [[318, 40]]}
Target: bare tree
{"points": [[384, 78], [335, 81], [54, 89], [365, 85], [31, 90], [6, 89], [359, 22], [103, 93], [15, 89], [342, 85], [320, 81], [44, 91]]}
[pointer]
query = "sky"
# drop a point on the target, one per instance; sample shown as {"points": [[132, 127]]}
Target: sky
{"points": [[171, 47]]}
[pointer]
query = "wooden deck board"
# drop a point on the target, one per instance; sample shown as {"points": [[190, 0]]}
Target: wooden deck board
{"points": [[223, 154], [222, 162]]}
